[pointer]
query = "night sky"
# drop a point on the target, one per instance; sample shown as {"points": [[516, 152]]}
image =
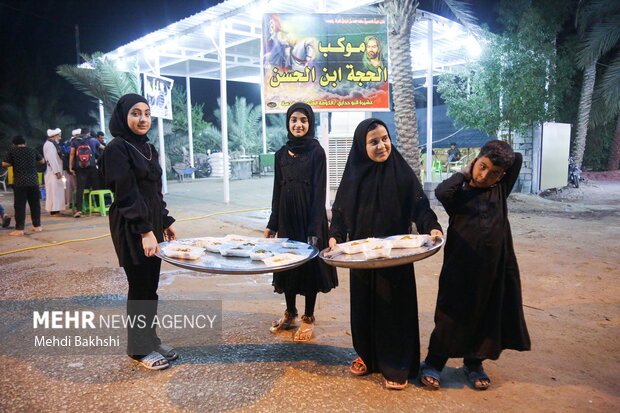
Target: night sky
{"points": [[39, 35]]}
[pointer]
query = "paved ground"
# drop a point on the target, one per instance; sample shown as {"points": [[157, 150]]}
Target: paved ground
{"points": [[569, 263]]}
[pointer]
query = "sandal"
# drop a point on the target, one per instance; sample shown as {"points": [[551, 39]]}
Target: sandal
{"points": [[284, 323], [168, 352], [304, 333], [153, 361], [430, 376], [394, 385], [477, 377], [358, 367]]}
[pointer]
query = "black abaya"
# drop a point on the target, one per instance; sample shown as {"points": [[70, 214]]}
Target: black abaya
{"points": [[382, 199], [298, 208], [479, 309]]}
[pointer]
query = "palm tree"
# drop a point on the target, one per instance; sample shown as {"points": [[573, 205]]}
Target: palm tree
{"points": [[103, 81], [401, 16], [597, 23], [244, 130]]}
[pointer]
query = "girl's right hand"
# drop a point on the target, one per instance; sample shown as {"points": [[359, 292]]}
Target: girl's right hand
{"points": [[269, 233], [149, 244], [332, 243]]}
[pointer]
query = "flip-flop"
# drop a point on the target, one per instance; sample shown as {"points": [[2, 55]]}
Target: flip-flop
{"points": [[358, 371], [394, 385], [477, 377], [168, 352], [153, 361], [301, 331], [426, 371], [282, 324]]}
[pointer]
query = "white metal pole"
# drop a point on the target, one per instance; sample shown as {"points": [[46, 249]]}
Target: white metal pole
{"points": [[190, 131], [324, 141], [262, 100], [101, 117], [224, 112], [429, 104], [162, 144]]}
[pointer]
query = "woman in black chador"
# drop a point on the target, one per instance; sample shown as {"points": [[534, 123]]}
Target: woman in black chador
{"points": [[379, 196], [298, 213], [138, 222]]}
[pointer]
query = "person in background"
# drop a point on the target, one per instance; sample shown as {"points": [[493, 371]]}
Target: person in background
{"points": [[85, 172], [380, 196], [4, 218], [298, 213], [139, 221], [24, 161], [479, 310], [453, 153], [101, 139], [70, 179], [54, 186]]}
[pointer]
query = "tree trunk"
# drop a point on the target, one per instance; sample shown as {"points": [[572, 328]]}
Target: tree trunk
{"points": [[583, 116], [401, 15], [613, 163]]}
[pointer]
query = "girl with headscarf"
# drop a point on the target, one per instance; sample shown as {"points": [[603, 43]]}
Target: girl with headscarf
{"points": [[139, 220], [379, 196], [298, 213]]}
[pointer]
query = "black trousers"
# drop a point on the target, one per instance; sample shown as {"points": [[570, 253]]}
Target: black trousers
{"points": [[142, 298], [86, 177], [32, 196]]}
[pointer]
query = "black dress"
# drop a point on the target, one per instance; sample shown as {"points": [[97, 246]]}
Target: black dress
{"points": [[298, 212], [379, 200], [479, 309]]}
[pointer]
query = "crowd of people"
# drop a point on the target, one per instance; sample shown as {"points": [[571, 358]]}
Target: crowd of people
{"points": [[68, 167], [479, 308]]}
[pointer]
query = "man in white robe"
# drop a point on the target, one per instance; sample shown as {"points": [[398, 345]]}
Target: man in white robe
{"points": [[54, 185]]}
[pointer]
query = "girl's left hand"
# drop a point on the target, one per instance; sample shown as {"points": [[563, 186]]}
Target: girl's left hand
{"points": [[170, 233], [435, 235]]}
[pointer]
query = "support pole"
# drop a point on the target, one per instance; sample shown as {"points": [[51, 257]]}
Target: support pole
{"points": [[429, 103], [162, 144], [224, 112], [324, 141], [101, 117], [190, 132]]}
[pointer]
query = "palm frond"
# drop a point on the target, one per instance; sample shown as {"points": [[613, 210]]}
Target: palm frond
{"points": [[601, 38], [462, 11]]}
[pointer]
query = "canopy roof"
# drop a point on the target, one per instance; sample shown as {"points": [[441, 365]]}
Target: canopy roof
{"points": [[189, 47]]}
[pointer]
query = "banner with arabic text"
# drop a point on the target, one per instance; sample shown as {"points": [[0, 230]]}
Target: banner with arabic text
{"points": [[329, 61]]}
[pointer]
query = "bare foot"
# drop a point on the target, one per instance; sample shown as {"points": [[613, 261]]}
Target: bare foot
{"points": [[17, 233], [304, 332]]}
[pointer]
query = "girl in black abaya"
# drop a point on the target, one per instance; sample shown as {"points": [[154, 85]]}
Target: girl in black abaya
{"points": [[298, 213], [138, 222], [379, 196]]}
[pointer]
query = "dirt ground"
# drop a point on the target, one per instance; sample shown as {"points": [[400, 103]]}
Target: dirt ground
{"points": [[566, 244]]}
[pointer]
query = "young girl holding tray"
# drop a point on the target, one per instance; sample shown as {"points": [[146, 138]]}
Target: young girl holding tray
{"points": [[379, 196], [298, 213]]}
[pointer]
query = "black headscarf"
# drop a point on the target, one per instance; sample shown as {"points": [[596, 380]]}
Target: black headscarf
{"points": [[376, 198], [118, 121], [307, 142]]}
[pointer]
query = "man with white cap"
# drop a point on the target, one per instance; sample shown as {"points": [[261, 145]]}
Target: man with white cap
{"points": [[54, 186]]}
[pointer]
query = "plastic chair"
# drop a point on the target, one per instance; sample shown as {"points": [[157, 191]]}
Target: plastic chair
{"points": [[438, 167], [3, 178], [96, 201]]}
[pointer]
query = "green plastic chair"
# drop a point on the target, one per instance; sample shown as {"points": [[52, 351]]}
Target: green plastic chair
{"points": [[438, 167], [96, 201]]}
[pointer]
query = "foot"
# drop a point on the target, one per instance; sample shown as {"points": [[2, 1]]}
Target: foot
{"points": [[6, 221], [37, 229], [394, 385], [17, 233], [284, 323], [304, 332], [77, 214], [430, 376], [153, 361], [54, 212], [358, 367], [477, 377], [168, 352]]}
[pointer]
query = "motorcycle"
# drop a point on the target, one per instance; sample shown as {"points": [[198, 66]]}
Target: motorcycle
{"points": [[574, 173]]}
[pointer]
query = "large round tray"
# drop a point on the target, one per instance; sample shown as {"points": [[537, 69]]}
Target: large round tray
{"points": [[215, 263], [398, 256]]}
